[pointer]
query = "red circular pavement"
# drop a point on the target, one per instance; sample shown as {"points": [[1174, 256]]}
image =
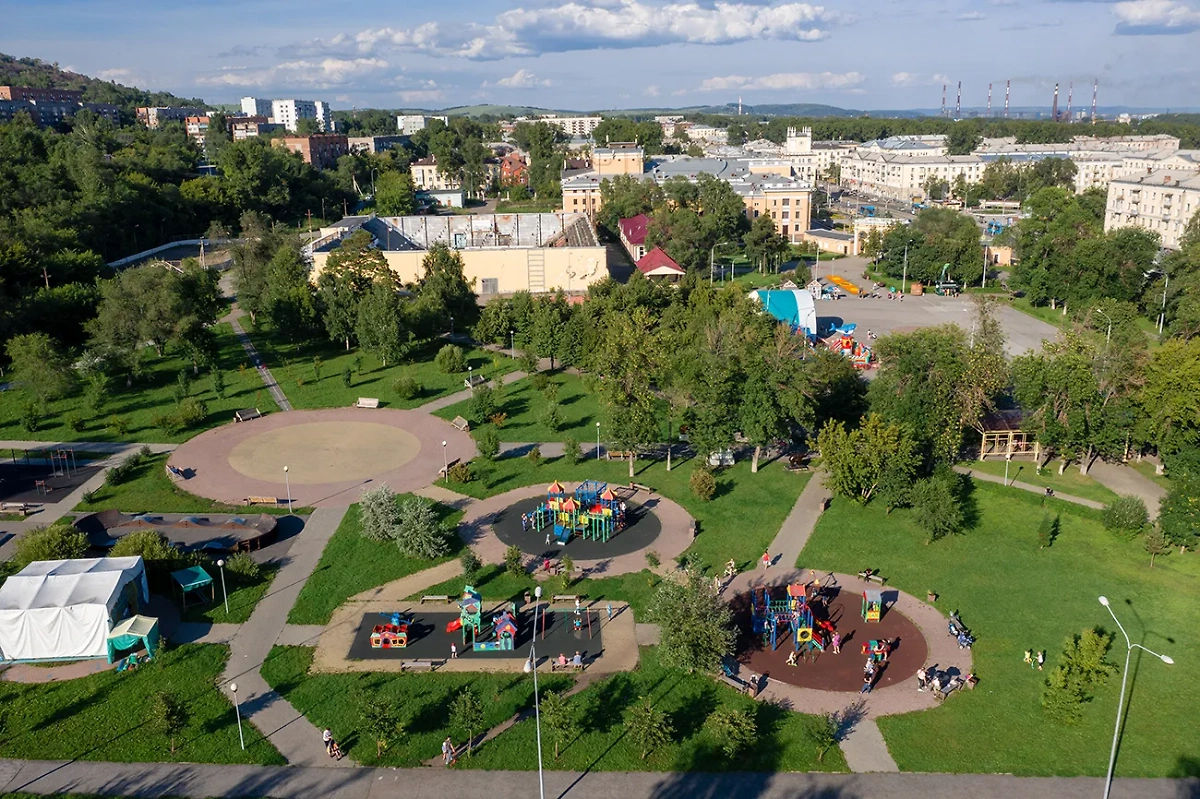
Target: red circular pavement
{"points": [[330, 455], [830, 672]]}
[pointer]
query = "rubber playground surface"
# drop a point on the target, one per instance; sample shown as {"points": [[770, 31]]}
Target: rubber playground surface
{"points": [[18, 481], [830, 672], [428, 638], [641, 529]]}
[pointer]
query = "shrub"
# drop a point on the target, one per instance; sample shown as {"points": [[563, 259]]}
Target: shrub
{"points": [[1126, 516], [470, 565], [183, 385], [450, 360], [317, 364], [461, 473], [406, 387], [1047, 531], [377, 513], [735, 729], [482, 405], [347, 377], [703, 484], [571, 450], [652, 559], [552, 416], [190, 413], [76, 422], [822, 732], [514, 561], [118, 424], [529, 362], [540, 381], [151, 546], [243, 567], [89, 497], [31, 416], [1080, 670], [218, 384], [488, 441], [59, 541], [169, 715], [498, 419], [937, 502], [535, 455]]}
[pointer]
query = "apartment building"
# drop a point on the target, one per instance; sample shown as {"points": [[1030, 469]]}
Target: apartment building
{"points": [[619, 158], [376, 144], [48, 107], [514, 170], [322, 150], [256, 107], [288, 113], [408, 124], [248, 127], [1163, 202], [572, 126], [153, 117]]}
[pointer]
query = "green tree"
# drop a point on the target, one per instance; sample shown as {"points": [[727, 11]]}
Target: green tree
{"points": [[169, 715], [696, 624], [466, 714], [349, 272], [378, 513], [395, 194], [626, 357], [937, 504], [418, 532], [963, 138], [380, 720], [735, 729], [59, 541], [1127, 516], [648, 727], [382, 327], [444, 292], [859, 462], [823, 732], [40, 366], [1156, 543], [560, 718], [1179, 513]]}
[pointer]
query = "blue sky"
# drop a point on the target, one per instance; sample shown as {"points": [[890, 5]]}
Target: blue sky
{"points": [[589, 54]]}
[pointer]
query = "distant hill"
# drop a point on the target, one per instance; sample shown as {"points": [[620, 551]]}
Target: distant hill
{"points": [[36, 73]]}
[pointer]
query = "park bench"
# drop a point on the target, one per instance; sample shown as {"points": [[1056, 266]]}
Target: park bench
{"points": [[367, 402], [567, 666], [461, 424], [424, 664], [471, 381], [953, 685], [565, 598], [872, 576], [445, 470], [15, 507], [640, 487], [175, 474], [262, 500], [246, 414], [748, 687], [618, 455], [435, 598]]}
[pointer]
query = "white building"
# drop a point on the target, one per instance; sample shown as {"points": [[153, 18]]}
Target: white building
{"points": [[408, 124], [572, 126], [1163, 202], [289, 112], [256, 107]]}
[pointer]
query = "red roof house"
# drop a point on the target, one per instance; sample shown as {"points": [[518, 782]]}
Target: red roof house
{"points": [[633, 235], [657, 263]]}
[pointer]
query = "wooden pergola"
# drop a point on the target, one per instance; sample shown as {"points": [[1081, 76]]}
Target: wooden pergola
{"points": [[1005, 437]]}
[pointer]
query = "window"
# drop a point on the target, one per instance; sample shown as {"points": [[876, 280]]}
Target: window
{"points": [[491, 285], [785, 230], [787, 201], [785, 214]]}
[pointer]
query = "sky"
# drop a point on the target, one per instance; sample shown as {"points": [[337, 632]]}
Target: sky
{"points": [[598, 54]]}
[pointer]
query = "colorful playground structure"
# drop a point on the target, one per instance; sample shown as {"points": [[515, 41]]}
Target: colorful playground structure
{"points": [[872, 605], [843, 341], [794, 614], [393, 635], [500, 636], [592, 511]]}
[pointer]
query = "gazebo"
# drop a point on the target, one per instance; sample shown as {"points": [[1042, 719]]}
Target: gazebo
{"points": [[128, 633], [1004, 436], [193, 578], [657, 263]]}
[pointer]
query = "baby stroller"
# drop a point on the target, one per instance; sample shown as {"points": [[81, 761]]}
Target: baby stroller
{"points": [[957, 630]]}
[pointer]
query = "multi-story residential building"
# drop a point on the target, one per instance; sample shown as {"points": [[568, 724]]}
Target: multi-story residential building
{"points": [[572, 126], [256, 107], [322, 150], [426, 175], [1143, 163], [376, 144], [154, 116], [514, 171], [35, 95], [1163, 202], [619, 158], [289, 113], [705, 134], [197, 129], [249, 127], [408, 124], [49, 106]]}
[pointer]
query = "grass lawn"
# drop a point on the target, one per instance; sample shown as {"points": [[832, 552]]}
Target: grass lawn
{"points": [[351, 564], [524, 405], [494, 583], [243, 596], [107, 716], [1069, 482], [528, 206], [422, 700], [1015, 596], [739, 522], [688, 699], [1044, 312], [150, 490], [292, 366], [140, 404]]}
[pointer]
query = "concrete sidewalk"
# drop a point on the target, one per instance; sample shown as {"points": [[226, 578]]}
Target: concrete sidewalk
{"points": [[1123, 480], [280, 782], [991, 478]]}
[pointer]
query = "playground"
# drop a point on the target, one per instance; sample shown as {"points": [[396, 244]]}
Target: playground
{"points": [[592, 522], [330, 455], [39, 481], [778, 622]]}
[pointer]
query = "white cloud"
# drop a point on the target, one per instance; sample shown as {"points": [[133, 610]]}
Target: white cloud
{"points": [[124, 76], [785, 80], [1155, 17], [971, 16], [521, 79], [320, 74], [592, 24], [906, 79], [651, 91]]}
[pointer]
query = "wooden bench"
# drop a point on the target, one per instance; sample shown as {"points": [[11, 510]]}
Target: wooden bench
{"points": [[461, 424], [618, 455], [367, 402], [175, 474], [640, 487], [565, 598], [567, 666], [435, 598], [246, 414], [955, 684], [872, 576], [15, 507], [472, 381], [418, 665], [748, 687], [262, 500]]}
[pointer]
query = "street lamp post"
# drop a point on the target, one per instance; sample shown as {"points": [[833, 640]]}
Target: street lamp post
{"points": [[531, 666], [237, 710], [512, 344], [373, 171], [224, 593], [904, 275], [597, 441], [445, 461], [1108, 334], [288, 481], [711, 263], [1129, 647], [1162, 315]]}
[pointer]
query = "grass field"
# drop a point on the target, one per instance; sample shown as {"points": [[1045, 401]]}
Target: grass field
{"points": [[108, 716], [351, 564], [739, 522], [1069, 482], [528, 206], [243, 596], [1015, 596], [525, 405], [149, 490], [293, 368], [422, 700], [603, 743], [140, 404]]}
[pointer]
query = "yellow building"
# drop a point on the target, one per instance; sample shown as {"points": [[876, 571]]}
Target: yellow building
{"points": [[621, 158], [502, 253]]}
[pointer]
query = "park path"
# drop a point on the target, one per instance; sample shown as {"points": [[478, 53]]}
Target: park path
{"points": [[991, 478], [1124, 480], [291, 733], [465, 394], [196, 781], [229, 290]]}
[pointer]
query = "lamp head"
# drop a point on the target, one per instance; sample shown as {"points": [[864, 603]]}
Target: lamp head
{"points": [[220, 563], [285, 468], [528, 667], [597, 424], [1104, 601], [233, 687], [537, 592], [1167, 659], [443, 443]]}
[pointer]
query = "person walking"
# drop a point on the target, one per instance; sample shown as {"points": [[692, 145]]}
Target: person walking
{"points": [[1041, 659], [327, 739], [766, 560], [866, 688], [447, 752], [453, 651], [836, 643], [921, 679]]}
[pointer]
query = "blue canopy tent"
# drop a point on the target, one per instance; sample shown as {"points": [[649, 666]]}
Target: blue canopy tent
{"points": [[793, 307], [190, 579], [132, 631]]}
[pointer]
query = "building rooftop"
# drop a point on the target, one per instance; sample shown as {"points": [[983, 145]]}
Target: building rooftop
{"points": [[835, 235], [657, 262], [1168, 178], [408, 233], [634, 228]]}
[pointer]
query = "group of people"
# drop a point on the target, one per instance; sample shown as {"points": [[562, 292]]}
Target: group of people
{"points": [[575, 661], [872, 671], [1035, 661], [941, 682]]}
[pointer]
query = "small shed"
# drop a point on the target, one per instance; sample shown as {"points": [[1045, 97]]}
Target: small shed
{"points": [[1004, 436]]}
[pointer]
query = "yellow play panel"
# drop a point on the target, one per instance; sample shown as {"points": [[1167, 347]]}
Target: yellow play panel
{"points": [[324, 452]]}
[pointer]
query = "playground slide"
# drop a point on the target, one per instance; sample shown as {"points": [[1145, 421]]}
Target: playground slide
{"points": [[843, 284], [454, 626]]}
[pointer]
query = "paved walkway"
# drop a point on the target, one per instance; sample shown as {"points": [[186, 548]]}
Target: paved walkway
{"points": [[234, 319], [991, 478], [196, 781], [465, 394], [800, 523], [285, 727], [1124, 480]]}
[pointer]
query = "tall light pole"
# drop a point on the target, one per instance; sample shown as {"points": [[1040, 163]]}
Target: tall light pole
{"points": [[1162, 315], [288, 481], [531, 666], [445, 461], [224, 593], [711, 263], [1108, 334], [1129, 647], [238, 710], [904, 275], [512, 344], [373, 171], [597, 441]]}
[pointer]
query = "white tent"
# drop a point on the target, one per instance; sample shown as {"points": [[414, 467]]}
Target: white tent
{"points": [[64, 609]]}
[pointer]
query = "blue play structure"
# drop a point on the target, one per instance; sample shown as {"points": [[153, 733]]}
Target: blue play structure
{"points": [[769, 617], [592, 511]]}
